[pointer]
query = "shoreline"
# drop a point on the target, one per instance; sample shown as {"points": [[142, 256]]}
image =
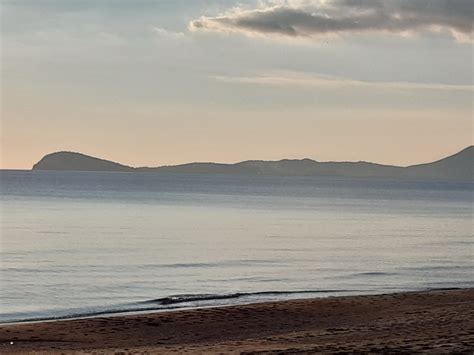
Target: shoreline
{"points": [[428, 321], [134, 312], [194, 301]]}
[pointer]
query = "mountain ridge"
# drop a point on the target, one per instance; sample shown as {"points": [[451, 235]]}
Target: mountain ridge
{"points": [[458, 166]]}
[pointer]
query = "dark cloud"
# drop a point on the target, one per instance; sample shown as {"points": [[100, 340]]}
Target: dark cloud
{"points": [[311, 19]]}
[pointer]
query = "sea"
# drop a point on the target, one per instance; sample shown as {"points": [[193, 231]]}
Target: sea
{"points": [[80, 244]]}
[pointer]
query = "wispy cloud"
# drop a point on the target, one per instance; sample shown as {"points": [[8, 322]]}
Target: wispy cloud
{"points": [[311, 19], [163, 33], [304, 80]]}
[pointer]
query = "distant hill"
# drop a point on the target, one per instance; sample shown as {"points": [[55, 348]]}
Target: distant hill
{"points": [[77, 162], [455, 167]]}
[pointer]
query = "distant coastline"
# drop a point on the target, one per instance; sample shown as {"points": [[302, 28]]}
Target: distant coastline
{"points": [[457, 167]]}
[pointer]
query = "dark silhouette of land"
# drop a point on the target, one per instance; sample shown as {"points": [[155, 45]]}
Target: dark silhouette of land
{"points": [[78, 162], [455, 167]]}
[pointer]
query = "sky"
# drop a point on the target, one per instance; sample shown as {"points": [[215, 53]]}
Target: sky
{"points": [[159, 82]]}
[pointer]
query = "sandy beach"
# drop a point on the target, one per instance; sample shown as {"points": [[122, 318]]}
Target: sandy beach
{"points": [[432, 322]]}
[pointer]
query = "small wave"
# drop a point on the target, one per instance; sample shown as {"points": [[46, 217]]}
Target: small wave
{"points": [[184, 265], [176, 299], [218, 264], [437, 267], [375, 273]]}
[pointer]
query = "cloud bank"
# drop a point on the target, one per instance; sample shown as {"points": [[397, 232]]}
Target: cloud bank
{"points": [[312, 19]]}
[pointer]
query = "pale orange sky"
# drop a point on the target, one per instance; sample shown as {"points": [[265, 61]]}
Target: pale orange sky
{"points": [[380, 137], [144, 85]]}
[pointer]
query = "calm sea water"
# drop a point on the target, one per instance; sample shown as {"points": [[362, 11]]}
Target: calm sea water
{"points": [[75, 244]]}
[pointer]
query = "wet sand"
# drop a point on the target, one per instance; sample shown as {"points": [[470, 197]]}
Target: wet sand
{"points": [[431, 322]]}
